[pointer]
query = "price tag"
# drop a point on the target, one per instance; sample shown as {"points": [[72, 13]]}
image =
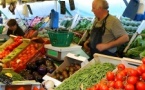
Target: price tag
{"points": [[52, 53]]}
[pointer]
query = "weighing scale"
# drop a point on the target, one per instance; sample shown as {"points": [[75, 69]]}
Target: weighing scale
{"points": [[3, 38], [59, 53]]}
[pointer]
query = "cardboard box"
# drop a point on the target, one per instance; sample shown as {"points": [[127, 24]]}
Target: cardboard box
{"points": [[68, 60], [17, 85], [115, 60], [128, 62], [72, 58]]}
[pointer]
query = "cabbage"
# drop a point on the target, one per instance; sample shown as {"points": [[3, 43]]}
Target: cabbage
{"points": [[137, 42]]}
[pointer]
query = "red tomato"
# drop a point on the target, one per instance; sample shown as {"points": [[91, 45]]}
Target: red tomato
{"points": [[139, 70], [129, 87], [121, 66], [143, 76], [132, 72], [123, 72], [110, 76], [13, 45], [10, 48], [110, 88], [119, 77], [119, 85], [36, 45], [97, 86], [111, 84], [140, 85], [132, 80], [142, 68], [104, 87], [92, 88], [1, 56], [143, 60]]}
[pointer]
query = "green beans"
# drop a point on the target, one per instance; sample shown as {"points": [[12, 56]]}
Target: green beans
{"points": [[88, 77]]}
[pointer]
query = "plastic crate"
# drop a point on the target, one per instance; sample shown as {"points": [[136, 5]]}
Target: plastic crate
{"points": [[21, 85], [60, 38], [23, 58], [1, 29]]}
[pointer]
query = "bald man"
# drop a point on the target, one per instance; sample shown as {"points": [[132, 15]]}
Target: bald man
{"points": [[107, 32]]}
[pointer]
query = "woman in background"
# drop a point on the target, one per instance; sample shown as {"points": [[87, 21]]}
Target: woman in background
{"points": [[14, 28]]}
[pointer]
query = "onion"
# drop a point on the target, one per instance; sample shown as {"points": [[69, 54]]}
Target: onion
{"points": [[49, 85]]}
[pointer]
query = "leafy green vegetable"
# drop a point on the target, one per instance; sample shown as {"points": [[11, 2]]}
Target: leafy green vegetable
{"points": [[15, 76], [84, 24], [142, 54], [136, 42], [134, 52], [143, 31]]}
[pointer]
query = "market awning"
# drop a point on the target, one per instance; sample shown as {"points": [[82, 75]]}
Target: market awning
{"points": [[135, 10]]}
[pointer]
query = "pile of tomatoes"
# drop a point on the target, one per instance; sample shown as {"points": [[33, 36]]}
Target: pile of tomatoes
{"points": [[11, 47], [123, 79], [20, 61]]}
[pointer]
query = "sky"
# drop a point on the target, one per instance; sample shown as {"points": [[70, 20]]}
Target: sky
{"points": [[116, 7]]}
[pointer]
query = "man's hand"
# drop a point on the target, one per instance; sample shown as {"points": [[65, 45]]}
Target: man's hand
{"points": [[121, 40], [102, 46], [87, 49]]}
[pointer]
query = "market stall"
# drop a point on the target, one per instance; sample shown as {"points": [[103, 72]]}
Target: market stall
{"points": [[51, 55]]}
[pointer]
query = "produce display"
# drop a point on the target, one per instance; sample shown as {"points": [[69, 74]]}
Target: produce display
{"points": [[5, 79], [11, 47], [13, 75], [66, 72], [130, 25], [7, 76], [66, 23], [86, 77], [83, 25], [37, 69], [124, 78], [25, 56], [31, 33], [43, 33], [137, 47]]}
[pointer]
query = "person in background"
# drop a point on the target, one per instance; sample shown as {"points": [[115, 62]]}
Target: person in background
{"points": [[14, 28], [107, 31]]}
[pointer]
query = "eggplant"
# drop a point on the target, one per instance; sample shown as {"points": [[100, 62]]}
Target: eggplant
{"points": [[28, 66], [33, 67], [40, 62], [42, 70]]}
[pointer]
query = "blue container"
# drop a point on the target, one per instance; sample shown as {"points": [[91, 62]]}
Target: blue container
{"points": [[54, 19]]}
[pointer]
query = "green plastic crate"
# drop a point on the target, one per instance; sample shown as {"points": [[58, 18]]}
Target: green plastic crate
{"points": [[1, 29], [60, 38]]}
